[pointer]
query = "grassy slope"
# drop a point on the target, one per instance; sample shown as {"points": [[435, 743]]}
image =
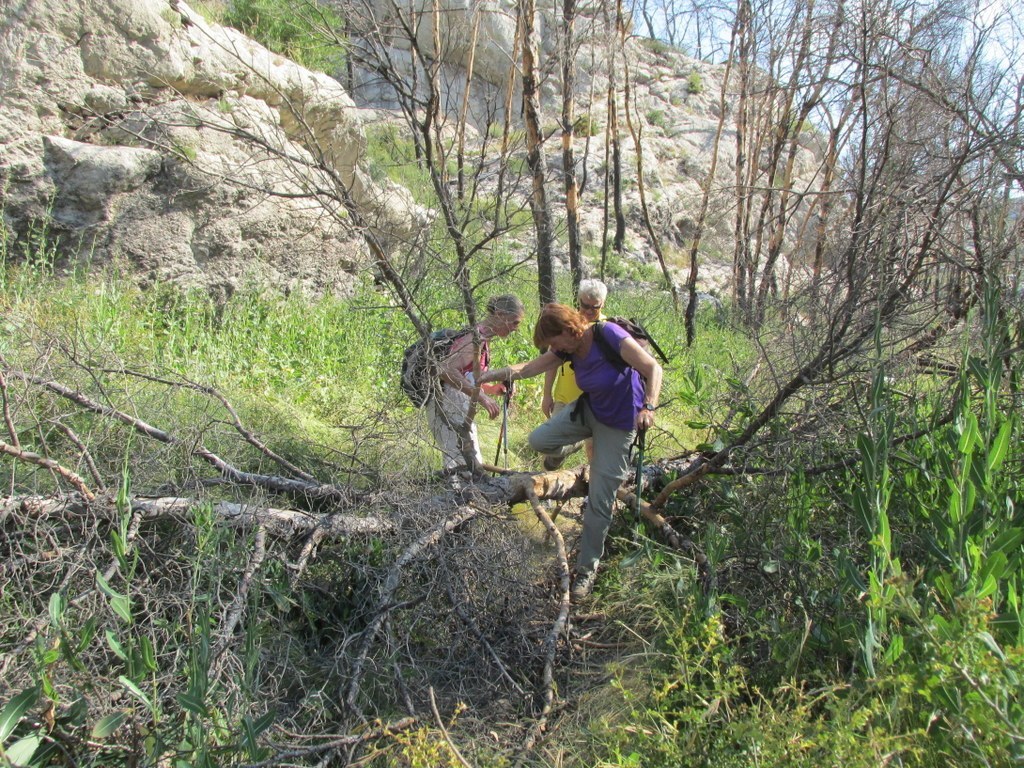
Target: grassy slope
{"points": [[738, 676]]}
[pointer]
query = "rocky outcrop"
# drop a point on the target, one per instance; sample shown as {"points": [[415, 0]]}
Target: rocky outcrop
{"points": [[676, 111], [142, 134]]}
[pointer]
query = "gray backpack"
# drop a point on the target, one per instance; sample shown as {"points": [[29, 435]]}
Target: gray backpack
{"points": [[421, 365]]}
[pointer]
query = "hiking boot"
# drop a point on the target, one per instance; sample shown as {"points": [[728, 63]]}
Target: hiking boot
{"points": [[583, 586], [551, 463]]}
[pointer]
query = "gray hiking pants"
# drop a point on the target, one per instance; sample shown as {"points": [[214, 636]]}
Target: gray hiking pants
{"points": [[446, 416], [558, 436]]}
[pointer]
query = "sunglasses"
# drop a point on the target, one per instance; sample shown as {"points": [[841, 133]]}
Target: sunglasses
{"points": [[590, 307]]}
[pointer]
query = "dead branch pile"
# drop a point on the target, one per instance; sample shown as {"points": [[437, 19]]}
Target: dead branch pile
{"points": [[330, 604]]}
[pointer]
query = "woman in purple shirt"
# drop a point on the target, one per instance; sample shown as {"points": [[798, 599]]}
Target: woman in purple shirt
{"points": [[614, 404]]}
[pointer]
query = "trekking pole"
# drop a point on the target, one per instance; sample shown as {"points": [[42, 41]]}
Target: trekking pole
{"points": [[503, 434], [641, 438], [505, 419], [502, 438], [504, 429]]}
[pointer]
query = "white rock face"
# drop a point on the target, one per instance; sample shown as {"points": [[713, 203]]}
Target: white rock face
{"points": [[120, 121], [675, 110]]}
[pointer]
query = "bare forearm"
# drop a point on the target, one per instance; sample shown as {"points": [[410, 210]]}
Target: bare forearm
{"points": [[549, 361], [549, 382], [653, 389], [646, 366], [459, 381]]}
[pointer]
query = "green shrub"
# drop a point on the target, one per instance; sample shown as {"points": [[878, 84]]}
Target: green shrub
{"points": [[656, 117], [294, 29], [213, 11], [659, 47], [585, 126]]}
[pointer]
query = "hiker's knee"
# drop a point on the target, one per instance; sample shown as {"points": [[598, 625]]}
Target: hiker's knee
{"points": [[540, 440]]}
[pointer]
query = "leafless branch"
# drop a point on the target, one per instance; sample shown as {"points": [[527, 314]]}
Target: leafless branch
{"points": [[386, 601]]}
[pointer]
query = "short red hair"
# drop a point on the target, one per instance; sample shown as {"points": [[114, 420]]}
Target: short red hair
{"points": [[556, 319]]}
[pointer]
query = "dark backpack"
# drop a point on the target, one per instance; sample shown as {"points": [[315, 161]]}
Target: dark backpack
{"points": [[634, 329], [421, 365]]}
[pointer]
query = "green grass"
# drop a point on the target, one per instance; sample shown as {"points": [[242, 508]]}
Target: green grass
{"points": [[845, 626], [301, 30]]}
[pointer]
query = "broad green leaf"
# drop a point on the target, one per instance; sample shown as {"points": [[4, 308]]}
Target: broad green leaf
{"points": [[993, 646], [136, 692], [264, 721], [988, 587], [993, 569], [943, 584], [999, 447], [105, 587], [970, 497], [954, 506], [631, 559], [944, 629], [76, 713], [868, 454], [21, 751], [249, 737], [863, 508], [50, 752], [979, 368], [1008, 541], [122, 606], [884, 534], [119, 548], [86, 634], [115, 645], [969, 435], [192, 703], [58, 604], [148, 653], [108, 725], [867, 646], [15, 709], [894, 651]]}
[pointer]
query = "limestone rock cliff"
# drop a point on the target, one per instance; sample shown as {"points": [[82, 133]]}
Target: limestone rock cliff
{"points": [[119, 128]]}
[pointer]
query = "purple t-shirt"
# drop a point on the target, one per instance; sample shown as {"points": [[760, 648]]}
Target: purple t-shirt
{"points": [[615, 398]]}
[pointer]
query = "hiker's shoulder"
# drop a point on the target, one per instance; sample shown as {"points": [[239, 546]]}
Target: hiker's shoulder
{"points": [[460, 340], [611, 330]]}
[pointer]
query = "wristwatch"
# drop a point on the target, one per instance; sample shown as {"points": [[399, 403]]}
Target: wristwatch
{"points": [[650, 407]]}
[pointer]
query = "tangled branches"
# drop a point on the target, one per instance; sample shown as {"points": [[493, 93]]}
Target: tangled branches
{"points": [[212, 579]]}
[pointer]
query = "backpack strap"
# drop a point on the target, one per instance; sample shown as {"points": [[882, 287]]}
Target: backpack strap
{"points": [[640, 334], [611, 354], [654, 345]]}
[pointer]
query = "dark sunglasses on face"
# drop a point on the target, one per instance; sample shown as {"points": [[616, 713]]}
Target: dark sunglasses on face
{"points": [[590, 307]]}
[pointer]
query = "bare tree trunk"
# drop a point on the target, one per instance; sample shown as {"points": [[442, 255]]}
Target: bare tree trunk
{"points": [[741, 246], [636, 131], [788, 126], [506, 129], [535, 154], [821, 237], [572, 213], [619, 241], [645, 14], [460, 156], [705, 201], [605, 203]]}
